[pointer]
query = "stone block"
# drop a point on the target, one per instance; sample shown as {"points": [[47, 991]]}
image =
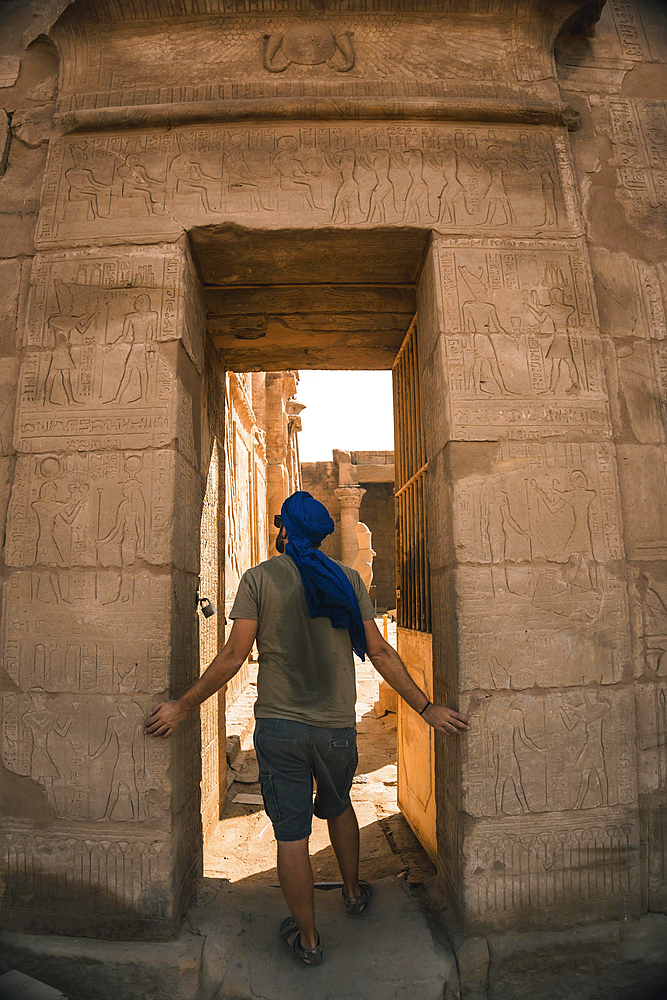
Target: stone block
{"points": [[17, 986], [403, 179], [10, 276], [520, 349], [97, 970], [642, 471], [472, 960]]}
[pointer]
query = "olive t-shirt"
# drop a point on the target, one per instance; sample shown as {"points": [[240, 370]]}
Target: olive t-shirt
{"points": [[306, 666]]}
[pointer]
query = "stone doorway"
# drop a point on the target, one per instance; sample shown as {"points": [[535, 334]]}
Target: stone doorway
{"points": [[275, 303]]}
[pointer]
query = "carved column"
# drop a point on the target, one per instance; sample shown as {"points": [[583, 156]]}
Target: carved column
{"points": [[99, 617], [349, 499], [530, 607]]}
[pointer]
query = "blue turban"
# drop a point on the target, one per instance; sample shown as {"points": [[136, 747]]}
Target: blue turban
{"points": [[329, 593]]}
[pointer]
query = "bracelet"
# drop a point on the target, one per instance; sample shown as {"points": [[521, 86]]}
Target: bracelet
{"points": [[427, 705]]}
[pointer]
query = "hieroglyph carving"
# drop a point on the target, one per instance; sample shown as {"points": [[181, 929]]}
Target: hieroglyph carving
{"points": [[356, 50], [536, 543], [514, 865], [153, 184], [104, 509], [89, 755], [61, 629], [559, 750], [96, 371], [639, 136], [521, 340], [309, 44]]}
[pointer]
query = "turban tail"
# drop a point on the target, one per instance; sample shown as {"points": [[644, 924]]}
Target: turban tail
{"points": [[329, 593]]}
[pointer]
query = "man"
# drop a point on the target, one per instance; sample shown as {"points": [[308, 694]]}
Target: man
{"points": [[308, 614]]}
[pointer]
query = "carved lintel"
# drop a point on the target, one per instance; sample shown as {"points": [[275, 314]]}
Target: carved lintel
{"points": [[532, 112]]}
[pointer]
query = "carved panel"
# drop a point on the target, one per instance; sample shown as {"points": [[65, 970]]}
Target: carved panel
{"points": [[516, 868], [112, 509], [520, 339], [554, 751], [89, 754], [639, 135], [153, 184], [545, 527], [351, 49], [97, 371], [82, 631]]}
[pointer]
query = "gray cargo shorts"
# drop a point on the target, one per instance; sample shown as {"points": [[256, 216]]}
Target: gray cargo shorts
{"points": [[290, 754]]}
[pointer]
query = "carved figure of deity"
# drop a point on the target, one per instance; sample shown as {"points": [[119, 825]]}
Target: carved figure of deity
{"points": [[140, 329], [499, 211], [291, 171], [126, 729], [347, 202], [554, 318], [417, 207], [41, 721], [83, 185], [309, 45], [383, 195], [480, 318], [591, 760], [52, 513], [137, 183], [240, 178], [192, 179], [507, 724]]}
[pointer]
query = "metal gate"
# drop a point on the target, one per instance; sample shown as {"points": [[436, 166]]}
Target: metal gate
{"points": [[416, 757]]}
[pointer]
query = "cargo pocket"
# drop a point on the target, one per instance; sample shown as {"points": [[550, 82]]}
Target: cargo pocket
{"points": [[269, 796]]}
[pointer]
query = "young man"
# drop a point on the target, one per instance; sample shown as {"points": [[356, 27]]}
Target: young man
{"points": [[309, 614]]}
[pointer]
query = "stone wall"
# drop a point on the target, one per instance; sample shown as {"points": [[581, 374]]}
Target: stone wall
{"points": [[437, 145], [377, 511]]}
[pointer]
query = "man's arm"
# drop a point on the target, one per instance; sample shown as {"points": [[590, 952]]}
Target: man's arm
{"points": [[168, 715], [388, 663]]}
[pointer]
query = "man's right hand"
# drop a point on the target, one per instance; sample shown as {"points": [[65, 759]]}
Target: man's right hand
{"points": [[446, 720], [165, 718]]}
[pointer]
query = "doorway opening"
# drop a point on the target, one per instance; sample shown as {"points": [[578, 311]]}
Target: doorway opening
{"points": [[301, 302]]}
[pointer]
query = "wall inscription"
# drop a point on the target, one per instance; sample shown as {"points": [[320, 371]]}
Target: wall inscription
{"points": [[521, 342], [154, 184]]}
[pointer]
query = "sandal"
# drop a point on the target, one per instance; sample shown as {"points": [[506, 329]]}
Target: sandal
{"points": [[359, 905], [310, 957]]}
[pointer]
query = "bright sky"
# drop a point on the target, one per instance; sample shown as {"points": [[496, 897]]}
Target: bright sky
{"points": [[347, 410]]}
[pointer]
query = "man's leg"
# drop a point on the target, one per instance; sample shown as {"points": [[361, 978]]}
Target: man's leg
{"points": [[344, 835], [296, 880]]}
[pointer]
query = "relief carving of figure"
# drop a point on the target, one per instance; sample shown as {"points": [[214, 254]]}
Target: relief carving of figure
{"points": [[554, 318], [383, 195], [84, 187], [192, 179], [480, 318], [347, 202], [240, 177], [417, 208], [579, 498], [507, 724], [453, 190], [309, 45], [499, 211], [52, 515], [140, 329], [41, 721], [62, 324], [293, 175], [129, 530], [126, 730], [137, 183], [591, 760]]}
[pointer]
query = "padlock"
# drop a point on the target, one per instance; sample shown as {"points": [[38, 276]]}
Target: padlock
{"points": [[207, 607]]}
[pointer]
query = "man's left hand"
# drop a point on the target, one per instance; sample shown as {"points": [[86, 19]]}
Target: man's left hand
{"points": [[165, 718]]}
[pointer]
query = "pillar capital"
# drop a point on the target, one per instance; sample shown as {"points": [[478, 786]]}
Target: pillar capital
{"points": [[349, 496]]}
